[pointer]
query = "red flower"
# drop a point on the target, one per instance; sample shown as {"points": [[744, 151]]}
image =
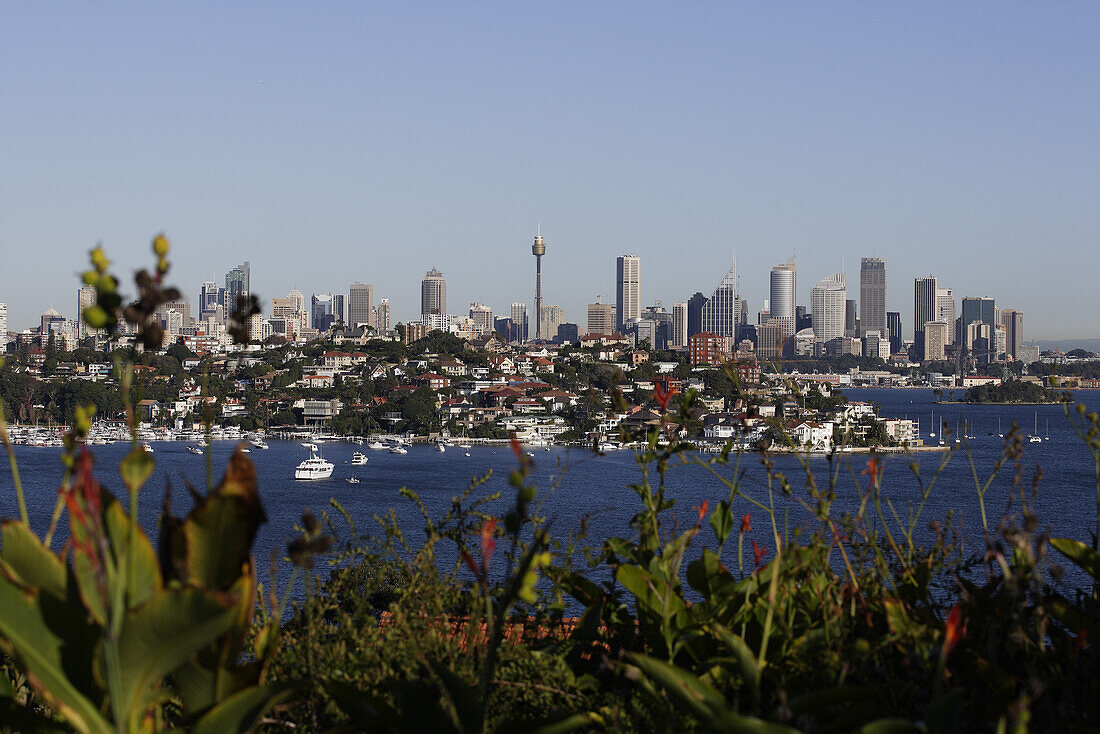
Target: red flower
{"points": [[702, 510], [517, 447], [954, 630], [662, 396], [758, 553], [746, 525]]}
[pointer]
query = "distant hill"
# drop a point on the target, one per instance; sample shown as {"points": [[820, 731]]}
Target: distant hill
{"points": [[1064, 345]]}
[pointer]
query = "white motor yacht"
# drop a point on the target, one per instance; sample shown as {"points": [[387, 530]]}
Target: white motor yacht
{"points": [[147, 447], [398, 449], [195, 449], [354, 480], [376, 445], [315, 467], [440, 448], [358, 459]]}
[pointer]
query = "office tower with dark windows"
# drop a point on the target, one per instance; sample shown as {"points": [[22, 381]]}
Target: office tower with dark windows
{"points": [[721, 312], [695, 314], [872, 295], [236, 284], [893, 325], [924, 308]]}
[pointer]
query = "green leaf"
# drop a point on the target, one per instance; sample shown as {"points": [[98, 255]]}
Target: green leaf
{"points": [[650, 592], [241, 712], [710, 578], [746, 659], [160, 636], [44, 654], [1079, 553], [136, 468], [32, 562], [145, 581], [721, 521], [890, 726]]}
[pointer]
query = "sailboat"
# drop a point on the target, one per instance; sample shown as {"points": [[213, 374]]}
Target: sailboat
{"points": [[932, 431], [1000, 434], [1035, 438], [1047, 437], [958, 436]]}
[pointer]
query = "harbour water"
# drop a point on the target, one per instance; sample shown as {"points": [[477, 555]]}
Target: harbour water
{"points": [[578, 484]]}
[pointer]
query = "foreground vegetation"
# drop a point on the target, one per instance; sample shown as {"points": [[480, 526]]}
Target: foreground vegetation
{"points": [[709, 619]]}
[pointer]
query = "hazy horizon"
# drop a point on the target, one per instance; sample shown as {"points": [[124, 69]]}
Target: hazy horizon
{"points": [[370, 142]]}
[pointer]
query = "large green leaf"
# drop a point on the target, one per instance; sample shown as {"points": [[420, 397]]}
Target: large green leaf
{"points": [[703, 700], [160, 636], [651, 592], [242, 711], [136, 468], [32, 563], [42, 648], [1079, 553], [145, 580]]}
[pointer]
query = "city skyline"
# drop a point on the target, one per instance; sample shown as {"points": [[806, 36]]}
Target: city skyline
{"points": [[933, 138]]}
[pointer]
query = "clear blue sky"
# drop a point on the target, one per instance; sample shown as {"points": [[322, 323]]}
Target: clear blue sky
{"points": [[957, 139]]}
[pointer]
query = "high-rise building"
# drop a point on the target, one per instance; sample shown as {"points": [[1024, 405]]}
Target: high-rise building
{"points": [[3, 327], [945, 311], [827, 306], [720, 312], [382, 316], [85, 298], [321, 312], [695, 313], [433, 293], [568, 333], [360, 305], [482, 316], [872, 295], [550, 318], [935, 340], [601, 318], [893, 325], [851, 319], [340, 308], [519, 320], [679, 326], [924, 308], [802, 319], [628, 289], [237, 283], [781, 301], [1013, 323], [983, 310]]}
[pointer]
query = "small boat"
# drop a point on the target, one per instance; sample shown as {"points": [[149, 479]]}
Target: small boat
{"points": [[195, 450], [1035, 437], [440, 448], [1000, 433], [353, 480], [376, 445], [310, 445], [398, 449], [260, 444], [358, 459], [315, 467], [1047, 437], [547, 447], [467, 453], [245, 450], [147, 447]]}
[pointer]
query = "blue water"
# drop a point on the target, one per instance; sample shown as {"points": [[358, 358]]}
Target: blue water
{"points": [[576, 483]]}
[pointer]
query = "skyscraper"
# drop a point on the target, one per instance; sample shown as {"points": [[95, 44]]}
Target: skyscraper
{"points": [[935, 340], [781, 301], [433, 293], [695, 314], [382, 316], [628, 289], [340, 308], [945, 311], [482, 316], [679, 326], [211, 297], [924, 308], [1013, 323], [3, 327], [827, 307], [977, 309], [601, 318], [360, 305], [851, 319], [720, 312], [519, 320], [872, 294], [550, 318], [321, 312], [538, 249], [85, 298], [237, 283], [893, 325]]}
